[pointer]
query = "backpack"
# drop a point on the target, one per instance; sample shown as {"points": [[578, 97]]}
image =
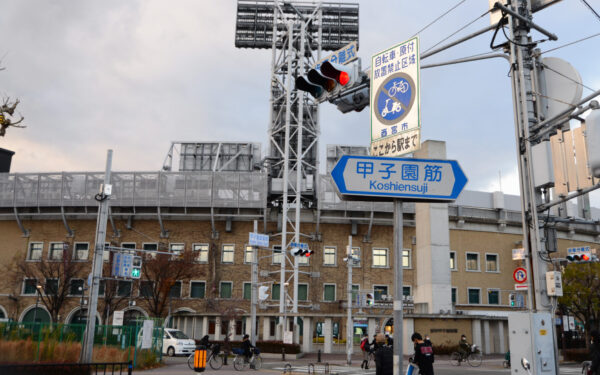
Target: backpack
{"points": [[363, 345]]}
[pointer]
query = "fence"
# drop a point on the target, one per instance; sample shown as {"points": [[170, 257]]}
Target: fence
{"points": [[67, 368], [52, 342]]}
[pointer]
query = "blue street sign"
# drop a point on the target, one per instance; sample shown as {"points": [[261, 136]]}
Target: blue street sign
{"points": [[299, 245], [404, 178], [257, 239]]}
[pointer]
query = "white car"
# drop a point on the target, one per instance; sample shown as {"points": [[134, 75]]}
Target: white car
{"points": [[176, 342]]}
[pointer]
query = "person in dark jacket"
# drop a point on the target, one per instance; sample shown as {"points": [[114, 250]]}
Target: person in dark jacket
{"points": [[595, 352], [384, 357], [205, 342], [423, 355], [247, 347], [374, 345], [389, 340]]}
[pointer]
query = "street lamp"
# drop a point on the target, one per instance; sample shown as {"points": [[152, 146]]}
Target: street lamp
{"points": [[38, 289]]}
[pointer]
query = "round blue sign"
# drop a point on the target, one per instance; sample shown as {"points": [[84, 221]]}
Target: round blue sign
{"points": [[395, 98]]}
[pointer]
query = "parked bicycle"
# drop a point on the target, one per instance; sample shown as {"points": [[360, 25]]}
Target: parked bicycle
{"points": [[240, 362], [214, 360], [473, 358]]}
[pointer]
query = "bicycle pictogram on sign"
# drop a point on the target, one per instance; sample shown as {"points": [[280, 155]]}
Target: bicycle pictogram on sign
{"points": [[395, 98]]}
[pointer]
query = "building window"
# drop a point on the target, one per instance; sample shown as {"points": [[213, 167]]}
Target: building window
{"points": [[329, 256], [303, 260], [355, 293], [128, 245], [272, 326], [474, 296], [124, 288], [76, 287], [248, 254], [151, 249], [101, 287], [176, 249], [454, 291], [493, 297], [247, 290], [197, 289], [212, 323], [106, 252], [453, 260], [56, 251], [227, 256], [380, 257], [51, 288], [35, 251], [81, 251], [224, 327], [146, 288], [406, 261], [302, 292], [379, 291], [29, 287], [406, 291], [277, 257], [175, 291], [275, 291], [357, 256], [225, 289], [329, 292], [472, 261], [491, 263], [201, 252]]}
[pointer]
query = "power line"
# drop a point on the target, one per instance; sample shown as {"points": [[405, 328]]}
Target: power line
{"points": [[457, 31], [574, 42], [591, 9], [440, 17]]}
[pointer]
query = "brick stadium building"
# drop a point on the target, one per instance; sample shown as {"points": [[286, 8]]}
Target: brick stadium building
{"points": [[457, 257]]}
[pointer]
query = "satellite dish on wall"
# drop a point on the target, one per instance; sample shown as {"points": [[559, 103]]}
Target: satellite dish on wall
{"points": [[561, 84]]}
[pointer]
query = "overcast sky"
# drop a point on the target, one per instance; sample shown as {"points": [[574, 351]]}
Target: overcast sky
{"points": [[135, 75]]}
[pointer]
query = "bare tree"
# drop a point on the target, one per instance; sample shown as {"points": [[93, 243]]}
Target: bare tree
{"points": [[160, 272], [7, 111], [54, 275]]}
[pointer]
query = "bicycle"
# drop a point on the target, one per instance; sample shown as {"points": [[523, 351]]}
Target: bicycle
{"points": [[473, 358], [241, 363], [214, 360], [398, 86]]}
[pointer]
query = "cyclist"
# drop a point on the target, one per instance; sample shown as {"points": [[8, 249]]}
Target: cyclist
{"points": [[205, 342], [464, 348], [247, 348]]}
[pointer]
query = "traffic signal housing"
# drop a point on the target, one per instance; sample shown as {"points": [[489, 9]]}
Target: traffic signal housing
{"points": [[332, 81], [370, 299], [512, 299], [136, 267], [296, 251], [262, 292]]}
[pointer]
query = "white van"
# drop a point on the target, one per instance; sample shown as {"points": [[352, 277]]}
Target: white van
{"points": [[176, 342]]}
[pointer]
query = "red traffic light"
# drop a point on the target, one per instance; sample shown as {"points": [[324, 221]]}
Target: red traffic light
{"points": [[309, 253], [337, 72], [343, 78], [585, 257]]}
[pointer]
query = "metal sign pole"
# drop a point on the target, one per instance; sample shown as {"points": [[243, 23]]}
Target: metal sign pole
{"points": [[90, 327], [349, 323], [398, 320], [254, 288]]}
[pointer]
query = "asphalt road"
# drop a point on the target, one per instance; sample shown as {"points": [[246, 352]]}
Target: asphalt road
{"points": [[441, 367]]}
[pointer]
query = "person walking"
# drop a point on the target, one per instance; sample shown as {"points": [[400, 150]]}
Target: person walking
{"points": [[423, 355], [384, 357], [595, 352], [365, 347]]}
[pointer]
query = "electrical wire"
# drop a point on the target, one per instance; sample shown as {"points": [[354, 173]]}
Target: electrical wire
{"points": [[591, 9], [569, 78], [437, 19], [457, 31], [571, 43]]}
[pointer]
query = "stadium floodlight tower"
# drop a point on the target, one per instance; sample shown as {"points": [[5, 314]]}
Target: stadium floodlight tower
{"points": [[296, 32]]}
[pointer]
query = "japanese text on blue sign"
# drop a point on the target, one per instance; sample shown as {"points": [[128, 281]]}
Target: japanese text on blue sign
{"points": [[341, 56]]}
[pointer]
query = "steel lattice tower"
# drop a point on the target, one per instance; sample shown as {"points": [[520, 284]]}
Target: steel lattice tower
{"points": [[296, 32]]}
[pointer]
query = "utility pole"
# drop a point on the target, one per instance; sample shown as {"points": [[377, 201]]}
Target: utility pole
{"points": [[349, 323], [254, 281], [97, 263], [527, 115]]}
